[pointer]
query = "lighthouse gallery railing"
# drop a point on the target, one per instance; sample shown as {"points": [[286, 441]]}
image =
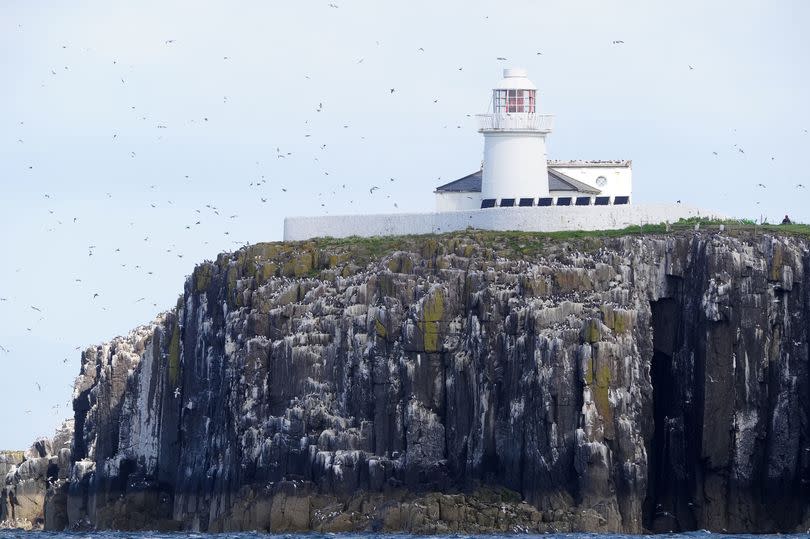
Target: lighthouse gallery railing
{"points": [[517, 121]]}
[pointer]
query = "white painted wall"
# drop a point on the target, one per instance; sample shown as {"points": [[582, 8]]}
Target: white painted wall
{"points": [[619, 179], [619, 183], [449, 201], [513, 162], [527, 219]]}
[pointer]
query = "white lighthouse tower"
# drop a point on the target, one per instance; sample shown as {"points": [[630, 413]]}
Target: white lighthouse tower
{"points": [[515, 162], [517, 188]]}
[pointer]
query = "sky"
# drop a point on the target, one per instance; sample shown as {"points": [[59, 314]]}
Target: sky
{"points": [[140, 138]]}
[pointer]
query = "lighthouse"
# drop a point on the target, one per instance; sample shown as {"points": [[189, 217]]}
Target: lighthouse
{"points": [[517, 187], [515, 162]]}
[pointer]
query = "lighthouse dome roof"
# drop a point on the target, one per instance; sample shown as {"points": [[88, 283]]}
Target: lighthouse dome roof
{"points": [[515, 78]]}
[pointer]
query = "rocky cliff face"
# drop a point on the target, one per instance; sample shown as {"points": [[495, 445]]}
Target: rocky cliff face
{"points": [[467, 382], [33, 480]]}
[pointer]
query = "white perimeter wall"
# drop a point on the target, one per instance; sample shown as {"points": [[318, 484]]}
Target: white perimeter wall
{"points": [[547, 219], [456, 201]]}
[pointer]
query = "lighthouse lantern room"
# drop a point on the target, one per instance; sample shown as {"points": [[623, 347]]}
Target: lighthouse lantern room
{"points": [[515, 162]]}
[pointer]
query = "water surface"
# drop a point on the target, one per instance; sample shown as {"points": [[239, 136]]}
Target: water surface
{"points": [[11, 534]]}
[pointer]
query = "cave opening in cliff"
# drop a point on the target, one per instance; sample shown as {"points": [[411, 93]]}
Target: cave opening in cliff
{"points": [[666, 507]]}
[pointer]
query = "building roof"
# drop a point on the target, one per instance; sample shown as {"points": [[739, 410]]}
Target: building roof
{"points": [[468, 184], [515, 78], [557, 181]]}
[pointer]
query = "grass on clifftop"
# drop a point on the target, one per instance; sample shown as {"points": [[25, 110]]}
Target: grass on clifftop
{"points": [[521, 242], [322, 257]]}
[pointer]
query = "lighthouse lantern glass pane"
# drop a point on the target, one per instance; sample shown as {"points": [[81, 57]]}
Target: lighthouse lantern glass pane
{"points": [[513, 101], [516, 101], [499, 100]]}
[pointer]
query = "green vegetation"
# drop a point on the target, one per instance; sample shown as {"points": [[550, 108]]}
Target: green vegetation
{"points": [[432, 315], [327, 258], [174, 355], [504, 243], [202, 277], [591, 331]]}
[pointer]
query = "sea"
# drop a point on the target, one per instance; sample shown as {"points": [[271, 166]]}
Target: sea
{"points": [[9, 534]]}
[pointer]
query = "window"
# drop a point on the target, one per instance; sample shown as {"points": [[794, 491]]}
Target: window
{"points": [[583, 201], [499, 101], [563, 201], [601, 181], [513, 101], [545, 201], [507, 202], [602, 201], [526, 202], [488, 203], [621, 200]]}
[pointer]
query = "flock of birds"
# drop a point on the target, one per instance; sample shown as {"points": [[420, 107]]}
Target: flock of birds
{"points": [[212, 211]]}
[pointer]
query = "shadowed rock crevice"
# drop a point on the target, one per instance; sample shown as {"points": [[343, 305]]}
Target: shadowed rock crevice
{"points": [[673, 448]]}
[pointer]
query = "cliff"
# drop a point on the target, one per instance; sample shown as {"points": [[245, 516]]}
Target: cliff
{"points": [[464, 382], [32, 478]]}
